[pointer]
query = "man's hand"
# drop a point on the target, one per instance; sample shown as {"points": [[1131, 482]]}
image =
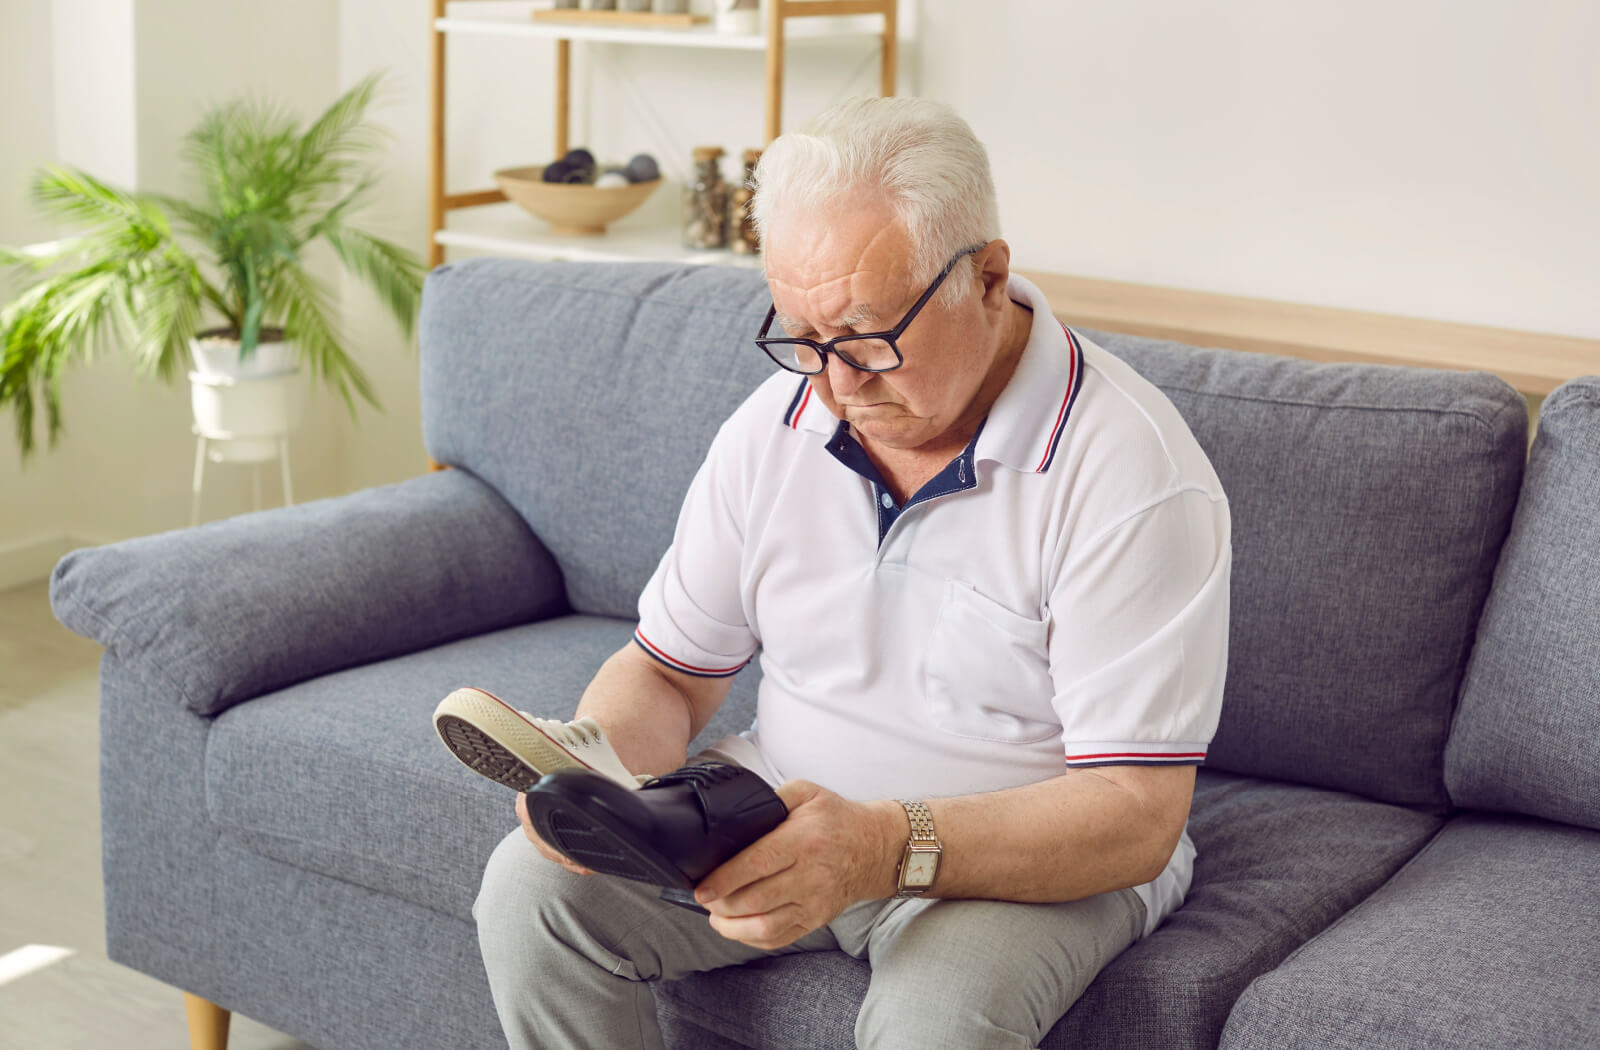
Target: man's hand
{"points": [[827, 855], [540, 844]]}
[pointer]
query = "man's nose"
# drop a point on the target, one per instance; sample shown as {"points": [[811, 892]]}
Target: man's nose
{"points": [[844, 378]]}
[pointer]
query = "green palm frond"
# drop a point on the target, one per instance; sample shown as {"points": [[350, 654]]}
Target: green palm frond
{"points": [[304, 304], [354, 199], [205, 152], [17, 384], [231, 149], [81, 199], [40, 256], [200, 222], [341, 131], [44, 330], [21, 360], [82, 305], [394, 274], [166, 309]]}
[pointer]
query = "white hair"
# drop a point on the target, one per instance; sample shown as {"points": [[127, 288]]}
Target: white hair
{"points": [[919, 154]]}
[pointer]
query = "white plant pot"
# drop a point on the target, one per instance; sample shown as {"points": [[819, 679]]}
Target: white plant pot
{"points": [[741, 21], [246, 415], [220, 357], [740, 17]]}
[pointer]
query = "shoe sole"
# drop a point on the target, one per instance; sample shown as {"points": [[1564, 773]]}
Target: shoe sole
{"points": [[570, 819], [490, 738]]}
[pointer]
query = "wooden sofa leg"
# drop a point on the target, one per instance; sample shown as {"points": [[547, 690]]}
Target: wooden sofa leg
{"points": [[208, 1023]]}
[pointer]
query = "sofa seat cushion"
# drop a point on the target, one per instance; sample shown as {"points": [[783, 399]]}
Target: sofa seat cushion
{"points": [[1486, 939], [1276, 864], [345, 776]]}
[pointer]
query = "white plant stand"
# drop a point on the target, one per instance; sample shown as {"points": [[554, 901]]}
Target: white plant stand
{"points": [[243, 420]]}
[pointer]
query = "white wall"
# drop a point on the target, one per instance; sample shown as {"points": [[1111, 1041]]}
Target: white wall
{"points": [[1432, 158], [95, 80], [389, 36], [32, 503], [1429, 158]]}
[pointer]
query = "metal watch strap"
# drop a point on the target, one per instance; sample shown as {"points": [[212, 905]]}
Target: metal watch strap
{"points": [[923, 839], [921, 818]]}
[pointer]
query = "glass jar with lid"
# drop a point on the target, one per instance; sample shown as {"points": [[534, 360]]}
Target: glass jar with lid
{"points": [[705, 202]]}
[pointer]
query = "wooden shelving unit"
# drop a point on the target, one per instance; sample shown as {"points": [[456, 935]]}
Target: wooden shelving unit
{"points": [[505, 229], [786, 22]]}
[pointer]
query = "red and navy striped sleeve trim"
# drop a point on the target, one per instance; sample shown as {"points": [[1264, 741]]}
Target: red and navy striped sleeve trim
{"points": [[1074, 384], [678, 665], [797, 405], [1136, 758]]}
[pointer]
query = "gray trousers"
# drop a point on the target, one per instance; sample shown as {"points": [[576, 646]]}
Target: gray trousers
{"points": [[570, 958]]}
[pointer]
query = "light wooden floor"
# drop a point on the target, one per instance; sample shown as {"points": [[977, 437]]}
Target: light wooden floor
{"points": [[50, 856]]}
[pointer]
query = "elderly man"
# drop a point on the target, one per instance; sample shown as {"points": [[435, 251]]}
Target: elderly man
{"points": [[985, 565]]}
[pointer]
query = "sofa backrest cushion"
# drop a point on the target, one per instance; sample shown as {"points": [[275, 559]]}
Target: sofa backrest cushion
{"points": [[588, 395], [1369, 504], [1527, 734]]}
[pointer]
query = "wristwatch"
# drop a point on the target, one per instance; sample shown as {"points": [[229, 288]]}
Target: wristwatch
{"points": [[919, 865]]}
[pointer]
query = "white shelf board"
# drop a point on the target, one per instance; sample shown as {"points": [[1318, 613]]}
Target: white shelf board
{"points": [[514, 18], [505, 229]]}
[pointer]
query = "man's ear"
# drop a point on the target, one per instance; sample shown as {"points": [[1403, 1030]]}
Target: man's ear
{"points": [[994, 270]]}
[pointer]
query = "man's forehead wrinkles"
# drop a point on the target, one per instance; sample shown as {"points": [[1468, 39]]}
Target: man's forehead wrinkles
{"points": [[857, 314]]}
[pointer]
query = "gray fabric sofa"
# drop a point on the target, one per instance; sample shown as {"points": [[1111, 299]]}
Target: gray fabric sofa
{"points": [[1397, 825]]}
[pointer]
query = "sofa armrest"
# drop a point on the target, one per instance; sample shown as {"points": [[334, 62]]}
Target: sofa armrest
{"points": [[237, 608]]}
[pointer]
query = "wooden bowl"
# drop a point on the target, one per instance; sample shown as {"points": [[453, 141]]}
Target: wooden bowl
{"points": [[571, 208]]}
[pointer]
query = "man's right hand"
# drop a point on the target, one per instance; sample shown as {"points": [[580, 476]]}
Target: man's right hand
{"points": [[540, 844]]}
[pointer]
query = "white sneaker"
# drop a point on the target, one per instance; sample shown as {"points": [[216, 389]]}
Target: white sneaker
{"points": [[515, 748]]}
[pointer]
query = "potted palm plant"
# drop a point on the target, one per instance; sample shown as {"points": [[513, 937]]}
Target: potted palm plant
{"points": [[220, 278]]}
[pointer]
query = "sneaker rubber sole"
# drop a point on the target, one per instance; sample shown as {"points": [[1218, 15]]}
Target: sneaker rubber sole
{"points": [[492, 739]]}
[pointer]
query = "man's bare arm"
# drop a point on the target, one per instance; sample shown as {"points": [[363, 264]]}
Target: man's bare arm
{"points": [[1085, 832], [649, 711]]}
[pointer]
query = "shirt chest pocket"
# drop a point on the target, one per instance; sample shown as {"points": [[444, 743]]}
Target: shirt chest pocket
{"points": [[986, 670]]}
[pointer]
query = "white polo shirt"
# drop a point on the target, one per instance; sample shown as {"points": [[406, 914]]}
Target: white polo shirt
{"points": [[1057, 597]]}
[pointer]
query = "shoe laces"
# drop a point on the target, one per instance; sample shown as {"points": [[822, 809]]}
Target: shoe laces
{"points": [[578, 733]]}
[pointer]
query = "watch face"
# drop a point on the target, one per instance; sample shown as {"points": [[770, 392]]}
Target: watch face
{"points": [[921, 868]]}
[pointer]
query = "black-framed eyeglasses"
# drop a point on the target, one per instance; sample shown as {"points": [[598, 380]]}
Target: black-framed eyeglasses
{"points": [[867, 352]]}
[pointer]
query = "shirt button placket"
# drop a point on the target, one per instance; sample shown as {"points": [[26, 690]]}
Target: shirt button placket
{"points": [[886, 515]]}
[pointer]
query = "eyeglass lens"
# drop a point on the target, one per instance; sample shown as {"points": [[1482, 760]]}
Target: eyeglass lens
{"points": [[872, 354]]}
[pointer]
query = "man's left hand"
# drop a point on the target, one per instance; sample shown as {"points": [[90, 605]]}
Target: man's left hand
{"points": [[828, 854]]}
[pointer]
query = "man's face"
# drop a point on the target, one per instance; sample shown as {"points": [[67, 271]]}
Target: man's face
{"points": [[845, 271]]}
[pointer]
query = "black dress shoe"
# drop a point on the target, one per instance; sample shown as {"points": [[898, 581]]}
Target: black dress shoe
{"points": [[672, 832]]}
